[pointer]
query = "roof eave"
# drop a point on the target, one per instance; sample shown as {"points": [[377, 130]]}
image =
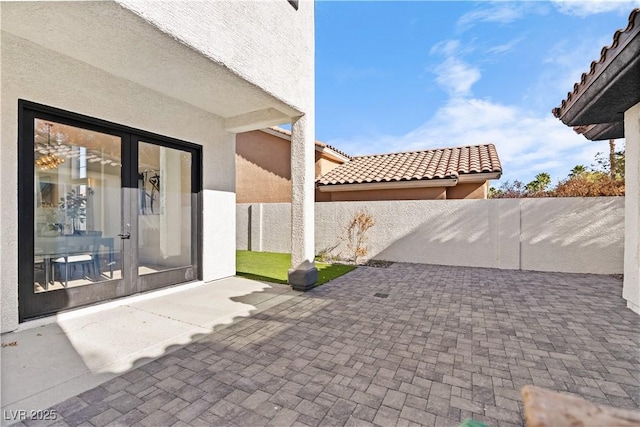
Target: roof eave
{"points": [[478, 177], [388, 185], [608, 97], [612, 85], [320, 146], [602, 131], [332, 154], [279, 134]]}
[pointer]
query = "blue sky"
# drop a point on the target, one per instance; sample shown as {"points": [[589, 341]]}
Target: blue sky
{"points": [[401, 76]]}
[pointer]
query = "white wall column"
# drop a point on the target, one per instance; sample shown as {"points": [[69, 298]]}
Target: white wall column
{"points": [[303, 273], [255, 223], [631, 289]]}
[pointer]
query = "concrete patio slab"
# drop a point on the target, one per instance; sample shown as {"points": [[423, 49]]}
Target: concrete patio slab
{"points": [[59, 357], [404, 345]]}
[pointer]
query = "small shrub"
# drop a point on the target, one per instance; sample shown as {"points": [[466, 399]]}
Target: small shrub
{"points": [[355, 235], [509, 190], [326, 255]]}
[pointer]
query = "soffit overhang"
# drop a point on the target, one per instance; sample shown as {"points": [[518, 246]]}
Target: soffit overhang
{"points": [[602, 131], [112, 38]]}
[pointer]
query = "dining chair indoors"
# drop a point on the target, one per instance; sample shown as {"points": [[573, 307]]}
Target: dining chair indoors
{"points": [[79, 251]]}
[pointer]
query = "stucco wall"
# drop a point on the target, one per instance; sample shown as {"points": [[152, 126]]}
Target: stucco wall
{"points": [[263, 168], [324, 164], [631, 290], [468, 191], [268, 42], [583, 235], [322, 197], [427, 193], [579, 234], [460, 191], [263, 227], [36, 74]]}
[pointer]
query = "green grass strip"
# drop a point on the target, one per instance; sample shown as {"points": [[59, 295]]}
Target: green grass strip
{"points": [[273, 267]]}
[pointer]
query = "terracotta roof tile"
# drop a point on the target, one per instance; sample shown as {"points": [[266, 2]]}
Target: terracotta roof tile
{"points": [[598, 66], [281, 130], [416, 165], [318, 143]]}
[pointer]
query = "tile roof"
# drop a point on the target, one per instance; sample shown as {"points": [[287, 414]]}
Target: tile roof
{"points": [[331, 147], [282, 131], [416, 165], [597, 67], [318, 143]]}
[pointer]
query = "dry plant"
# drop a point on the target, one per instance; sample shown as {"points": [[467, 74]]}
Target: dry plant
{"points": [[355, 235], [326, 255], [594, 185]]}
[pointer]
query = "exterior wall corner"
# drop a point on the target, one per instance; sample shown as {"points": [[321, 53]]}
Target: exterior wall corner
{"points": [[631, 288]]}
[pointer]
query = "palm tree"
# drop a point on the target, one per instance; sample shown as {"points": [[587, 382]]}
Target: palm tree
{"points": [[577, 171], [541, 183], [612, 158]]}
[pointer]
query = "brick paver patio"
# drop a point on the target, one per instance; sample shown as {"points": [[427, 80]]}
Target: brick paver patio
{"points": [[437, 345]]}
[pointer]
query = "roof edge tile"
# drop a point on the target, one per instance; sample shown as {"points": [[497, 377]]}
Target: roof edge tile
{"points": [[595, 66]]}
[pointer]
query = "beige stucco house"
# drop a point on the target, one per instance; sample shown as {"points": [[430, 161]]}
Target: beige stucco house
{"points": [[605, 104], [263, 165], [263, 172], [119, 122], [447, 173]]}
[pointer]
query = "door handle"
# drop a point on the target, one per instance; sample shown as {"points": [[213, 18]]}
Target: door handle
{"points": [[126, 234]]}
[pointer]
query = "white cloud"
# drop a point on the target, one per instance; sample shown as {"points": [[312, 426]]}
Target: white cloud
{"points": [[506, 12], [501, 13], [453, 74], [456, 76], [583, 8], [446, 47], [528, 143], [506, 47]]}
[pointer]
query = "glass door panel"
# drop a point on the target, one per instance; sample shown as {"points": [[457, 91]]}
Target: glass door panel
{"points": [[105, 212], [164, 208], [77, 201]]}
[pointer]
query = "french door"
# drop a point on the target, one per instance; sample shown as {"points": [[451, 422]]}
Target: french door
{"points": [[106, 210]]}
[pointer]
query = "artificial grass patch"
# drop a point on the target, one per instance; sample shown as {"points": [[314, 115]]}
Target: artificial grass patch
{"points": [[273, 267]]}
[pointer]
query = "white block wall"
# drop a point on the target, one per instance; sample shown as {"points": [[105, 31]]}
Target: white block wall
{"points": [[579, 235]]}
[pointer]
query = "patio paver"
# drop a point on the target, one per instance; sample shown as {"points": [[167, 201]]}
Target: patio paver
{"points": [[445, 344]]}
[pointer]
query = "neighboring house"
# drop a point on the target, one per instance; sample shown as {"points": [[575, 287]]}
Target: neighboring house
{"points": [[604, 105], [263, 165], [447, 173], [119, 121], [263, 172]]}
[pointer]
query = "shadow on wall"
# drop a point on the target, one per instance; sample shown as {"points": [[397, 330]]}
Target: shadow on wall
{"points": [[462, 232], [573, 234], [569, 235], [583, 235]]}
